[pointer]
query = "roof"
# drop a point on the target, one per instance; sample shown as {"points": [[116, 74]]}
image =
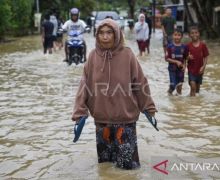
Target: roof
{"points": [[172, 5]]}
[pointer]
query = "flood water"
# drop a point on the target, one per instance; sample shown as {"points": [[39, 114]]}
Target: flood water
{"points": [[36, 99]]}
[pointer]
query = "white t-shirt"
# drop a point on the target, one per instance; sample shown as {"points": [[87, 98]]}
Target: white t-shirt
{"points": [[53, 19], [79, 26]]}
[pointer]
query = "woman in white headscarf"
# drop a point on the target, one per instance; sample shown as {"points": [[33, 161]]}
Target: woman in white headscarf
{"points": [[142, 33]]}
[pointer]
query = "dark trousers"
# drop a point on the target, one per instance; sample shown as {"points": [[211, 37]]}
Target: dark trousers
{"points": [[117, 143]]}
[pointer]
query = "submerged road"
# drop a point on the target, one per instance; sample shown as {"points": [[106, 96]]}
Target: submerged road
{"points": [[36, 100]]}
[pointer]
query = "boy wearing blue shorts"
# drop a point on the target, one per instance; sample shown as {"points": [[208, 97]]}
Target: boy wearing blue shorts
{"points": [[176, 57]]}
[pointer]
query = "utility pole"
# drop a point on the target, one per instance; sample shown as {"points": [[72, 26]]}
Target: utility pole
{"points": [[37, 5], [154, 15], [37, 17]]}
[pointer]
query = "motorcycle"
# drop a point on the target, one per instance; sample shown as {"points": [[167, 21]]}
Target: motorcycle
{"points": [[76, 48]]}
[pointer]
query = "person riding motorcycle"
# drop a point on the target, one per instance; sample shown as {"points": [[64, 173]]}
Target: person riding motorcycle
{"points": [[75, 24]]}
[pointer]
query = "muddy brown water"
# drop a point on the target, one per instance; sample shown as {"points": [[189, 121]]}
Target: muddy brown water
{"points": [[36, 98]]}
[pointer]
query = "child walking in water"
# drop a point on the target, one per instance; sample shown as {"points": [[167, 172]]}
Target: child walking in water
{"points": [[176, 57], [114, 89], [197, 60], [142, 34]]}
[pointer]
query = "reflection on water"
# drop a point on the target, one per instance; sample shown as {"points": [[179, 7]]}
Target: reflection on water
{"points": [[36, 98]]}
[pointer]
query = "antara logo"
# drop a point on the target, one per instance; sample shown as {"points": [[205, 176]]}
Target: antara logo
{"points": [[161, 167]]}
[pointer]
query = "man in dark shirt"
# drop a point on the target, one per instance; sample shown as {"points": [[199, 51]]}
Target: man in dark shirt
{"points": [[47, 34], [168, 25]]}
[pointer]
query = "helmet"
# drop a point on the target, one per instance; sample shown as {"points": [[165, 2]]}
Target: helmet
{"points": [[74, 11]]}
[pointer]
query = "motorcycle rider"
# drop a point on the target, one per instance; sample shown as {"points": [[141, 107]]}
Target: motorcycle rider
{"points": [[74, 24]]}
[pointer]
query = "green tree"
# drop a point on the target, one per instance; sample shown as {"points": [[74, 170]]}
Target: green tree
{"points": [[21, 16], [63, 6], [85, 7], [131, 4], [5, 16], [204, 11]]}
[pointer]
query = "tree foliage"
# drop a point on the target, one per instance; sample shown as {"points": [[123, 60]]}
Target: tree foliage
{"points": [[21, 16], [16, 16], [204, 12], [5, 16], [85, 6]]}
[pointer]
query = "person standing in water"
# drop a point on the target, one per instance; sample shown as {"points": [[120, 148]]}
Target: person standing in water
{"points": [[176, 57], [114, 90], [149, 22], [53, 19], [47, 34], [197, 60], [168, 25], [142, 34]]}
